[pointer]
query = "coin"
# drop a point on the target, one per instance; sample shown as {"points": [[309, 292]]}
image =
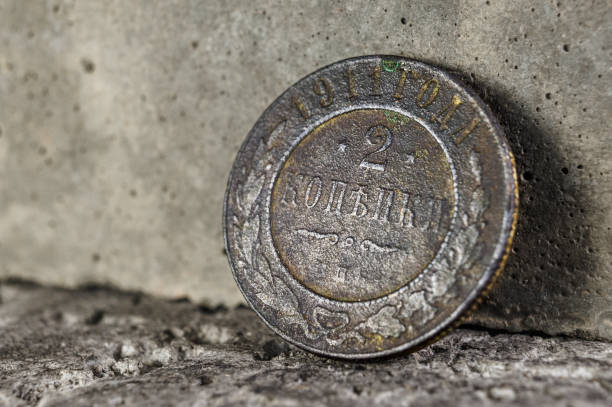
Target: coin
{"points": [[370, 207]]}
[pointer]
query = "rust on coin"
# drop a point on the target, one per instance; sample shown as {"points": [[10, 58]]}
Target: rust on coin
{"points": [[370, 207]]}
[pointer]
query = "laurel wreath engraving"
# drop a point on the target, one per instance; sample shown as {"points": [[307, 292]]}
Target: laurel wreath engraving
{"points": [[270, 288], [267, 285], [463, 249]]}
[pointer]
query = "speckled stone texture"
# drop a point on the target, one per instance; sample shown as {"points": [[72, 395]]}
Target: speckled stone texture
{"points": [[120, 121], [99, 347]]}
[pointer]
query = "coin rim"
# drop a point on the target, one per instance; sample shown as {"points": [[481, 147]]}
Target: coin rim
{"points": [[488, 278]]}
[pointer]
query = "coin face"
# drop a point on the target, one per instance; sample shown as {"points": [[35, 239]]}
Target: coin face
{"points": [[369, 207]]}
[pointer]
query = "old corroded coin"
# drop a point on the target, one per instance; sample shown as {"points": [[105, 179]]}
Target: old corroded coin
{"points": [[370, 206]]}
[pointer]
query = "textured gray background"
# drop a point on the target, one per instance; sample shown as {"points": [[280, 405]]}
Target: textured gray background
{"points": [[100, 347], [120, 121]]}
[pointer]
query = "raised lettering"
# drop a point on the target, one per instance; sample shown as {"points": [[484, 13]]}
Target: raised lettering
{"points": [[377, 136], [313, 181], [301, 107], [343, 273], [424, 90], [350, 78], [371, 202], [359, 209], [465, 131], [405, 212], [326, 91], [332, 194], [375, 75], [383, 205], [399, 90], [291, 190], [447, 111]]}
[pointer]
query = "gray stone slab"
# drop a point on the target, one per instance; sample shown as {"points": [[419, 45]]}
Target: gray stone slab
{"points": [[99, 347], [120, 121]]}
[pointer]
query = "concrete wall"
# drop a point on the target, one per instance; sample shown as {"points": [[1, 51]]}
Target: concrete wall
{"points": [[119, 122]]}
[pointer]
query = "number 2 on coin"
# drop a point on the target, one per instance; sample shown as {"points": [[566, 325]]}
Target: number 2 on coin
{"points": [[381, 138]]}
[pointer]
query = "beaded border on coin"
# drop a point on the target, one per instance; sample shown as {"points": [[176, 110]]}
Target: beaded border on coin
{"points": [[463, 268]]}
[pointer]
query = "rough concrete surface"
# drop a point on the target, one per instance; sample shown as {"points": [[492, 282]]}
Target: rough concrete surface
{"points": [[120, 121], [103, 347]]}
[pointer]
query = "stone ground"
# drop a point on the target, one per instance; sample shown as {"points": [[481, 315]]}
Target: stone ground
{"points": [[101, 346]]}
